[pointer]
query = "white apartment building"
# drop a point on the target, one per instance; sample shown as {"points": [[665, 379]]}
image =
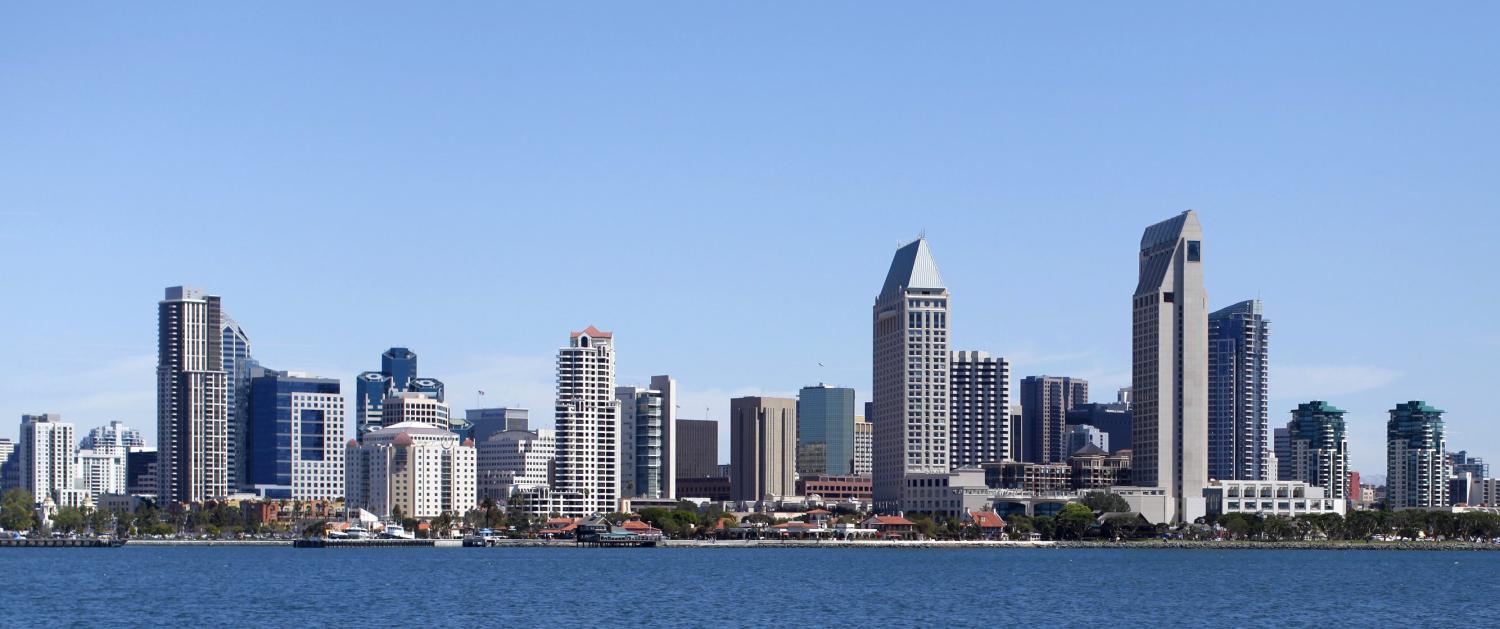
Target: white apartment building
{"points": [[420, 468], [864, 447], [514, 461], [46, 451], [103, 472], [588, 426]]}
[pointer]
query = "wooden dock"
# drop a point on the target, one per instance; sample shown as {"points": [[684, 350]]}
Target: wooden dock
{"points": [[61, 543]]}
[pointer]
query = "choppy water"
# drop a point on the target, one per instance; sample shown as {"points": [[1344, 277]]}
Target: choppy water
{"points": [[555, 587]]}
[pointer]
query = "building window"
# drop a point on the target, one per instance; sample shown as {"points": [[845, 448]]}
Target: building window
{"points": [[1195, 251]]}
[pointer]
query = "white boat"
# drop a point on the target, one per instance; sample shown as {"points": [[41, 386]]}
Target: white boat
{"points": [[395, 531]]}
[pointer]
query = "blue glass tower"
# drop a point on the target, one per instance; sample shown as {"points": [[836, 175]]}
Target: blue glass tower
{"points": [[1239, 431], [237, 365], [825, 431], [294, 425], [398, 374]]}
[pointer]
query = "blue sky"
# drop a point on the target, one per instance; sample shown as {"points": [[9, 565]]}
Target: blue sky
{"points": [[724, 186]]}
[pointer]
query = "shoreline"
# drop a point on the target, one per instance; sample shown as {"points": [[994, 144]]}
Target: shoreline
{"points": [[926, 544]]}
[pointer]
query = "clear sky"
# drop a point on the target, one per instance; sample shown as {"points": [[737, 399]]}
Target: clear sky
{"points": [[723, 187]]}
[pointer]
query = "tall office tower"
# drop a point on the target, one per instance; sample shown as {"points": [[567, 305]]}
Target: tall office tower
{"points": [[864, 446], [910, 374], [980, 409], [697, 448], [1045, 402], [825, 431], [411, 406], [10, 463], [398, 374], [140, 471], [762, 447], [1080, 435], [294, 444], [588, 426], [46, 452], [1122, 397], [1416, 474], [237, 366], [1113, 419], [483, 422], [513, 461], [192, 398], [648, 428], [1313, 449], [113, 437], [1239, 428], [1169, 370]]}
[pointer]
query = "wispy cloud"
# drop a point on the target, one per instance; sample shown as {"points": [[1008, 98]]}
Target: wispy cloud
{"points": [[1312, 381], [122, 389]]}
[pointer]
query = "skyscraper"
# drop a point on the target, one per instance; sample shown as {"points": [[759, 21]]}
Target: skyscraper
{"points": [[763, 447], [825, 431], [480, 423], [1045, 402], [1169, 370], [588, 425], [192, 397], [648, 428], [398, 374], [1416, 473], [697, 448], [864, 446], [237, 366], [295, 443], [1112, 418], [46, 453], [980, 409], [910, 374], [1239, 431], [1314, 449]]}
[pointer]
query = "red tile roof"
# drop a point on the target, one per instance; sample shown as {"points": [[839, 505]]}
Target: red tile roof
{"points": [[987, 519], [819, 512], [891, 520], [594, 332]]}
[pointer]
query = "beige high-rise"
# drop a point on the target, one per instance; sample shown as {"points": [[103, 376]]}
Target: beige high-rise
{"points": [[762, 447], [1169, 375]]}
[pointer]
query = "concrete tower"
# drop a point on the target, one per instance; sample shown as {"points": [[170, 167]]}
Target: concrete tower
{"points": [[1169, 375], [192, 397]]}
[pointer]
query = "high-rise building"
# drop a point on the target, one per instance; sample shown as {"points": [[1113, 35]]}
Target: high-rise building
{"points": [[46, 452], [1113, 419], [1239, 430], [140, 471], [864, 446], [1081, 435], [10, 466], [1169, 367], [235, 353], [1045, 402], [512, 461], [762, 447], [103, 472], [697, 448], [420, 469], [1313, 448], [1462, 463], [588, 426], [979, 393], [192, 397], [411, 406], [294, 446], [1122, 397], [910, 374], [648, 430], [398, 374], [825, 431], [483, 422], [1017, 431], [1417, 471], [115, 436]]}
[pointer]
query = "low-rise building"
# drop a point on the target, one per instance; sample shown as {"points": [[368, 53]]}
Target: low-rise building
{"points": [[511, 461], [1270, 497], [1031, 477], [989, 523], [714, 488], [836, 488], [949, 495], [891, 526]]}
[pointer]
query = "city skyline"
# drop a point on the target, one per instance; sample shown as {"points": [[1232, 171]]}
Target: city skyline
{"points": [[1320, 188]]}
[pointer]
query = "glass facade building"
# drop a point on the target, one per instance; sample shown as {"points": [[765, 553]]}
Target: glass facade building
{"points": [[825, 431], [1417, 464], [1239, 432], [1313, 448], [398, 374], [294, 446]]}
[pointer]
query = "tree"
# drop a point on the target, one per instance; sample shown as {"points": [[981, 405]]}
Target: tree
{"points": [[68, 520], [100, 521], [17, 510], [398, 514], [1101, 502], [1074, 520], [1236, 523], [1020, 526], [315, 529], [1046, 525]]}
